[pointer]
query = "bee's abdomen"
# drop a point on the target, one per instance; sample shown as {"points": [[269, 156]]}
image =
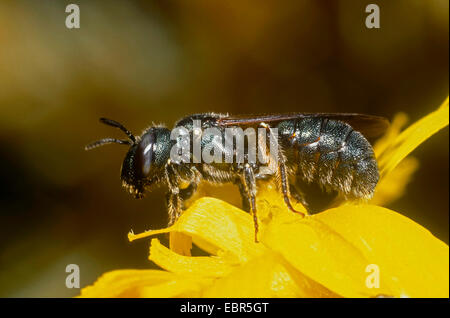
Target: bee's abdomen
{"points": [[332, 154]]}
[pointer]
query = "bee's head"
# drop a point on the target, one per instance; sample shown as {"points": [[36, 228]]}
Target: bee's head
{"points": [[144, 163]]}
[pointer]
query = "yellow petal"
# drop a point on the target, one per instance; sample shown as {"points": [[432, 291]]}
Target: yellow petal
{"points": [[144, 283], [206, 266], [319, 253], [335, 247], [412, 137], [412, 261], [182, 287], [393, 185], [125, 283], [391, 134], [180, 243], [215, 226], [265, 276]]}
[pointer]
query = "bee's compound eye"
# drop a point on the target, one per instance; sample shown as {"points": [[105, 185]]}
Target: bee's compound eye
{"points": [[145, 153]]}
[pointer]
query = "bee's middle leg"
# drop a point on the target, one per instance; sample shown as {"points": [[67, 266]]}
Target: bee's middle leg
{"points": [[249, 182], [244, 195]]}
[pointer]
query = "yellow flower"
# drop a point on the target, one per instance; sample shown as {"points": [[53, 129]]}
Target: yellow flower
{"points": [[352, 250]]}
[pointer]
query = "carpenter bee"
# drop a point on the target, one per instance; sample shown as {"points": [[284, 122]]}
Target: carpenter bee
{"points": [[328, 149]]}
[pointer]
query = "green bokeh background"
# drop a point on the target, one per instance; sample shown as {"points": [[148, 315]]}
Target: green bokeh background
{"points": [[155, 61]]}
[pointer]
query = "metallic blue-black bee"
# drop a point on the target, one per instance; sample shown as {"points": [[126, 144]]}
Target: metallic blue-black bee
{"points": [[331, 150]]}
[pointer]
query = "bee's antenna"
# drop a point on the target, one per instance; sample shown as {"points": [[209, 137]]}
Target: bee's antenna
{"points": [[114, 123], [106, 141]]}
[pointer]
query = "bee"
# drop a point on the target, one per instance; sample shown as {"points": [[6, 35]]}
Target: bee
{"points": [[331, 150]]}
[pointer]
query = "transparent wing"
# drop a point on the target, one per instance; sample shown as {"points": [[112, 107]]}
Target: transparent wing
{"points": [[370, 126]]}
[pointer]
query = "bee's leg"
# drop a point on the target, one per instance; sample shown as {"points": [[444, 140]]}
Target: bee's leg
{"points": [[282, 176], [174, 201], [283, 179], [188, 192], [244, 196], [174, 204], [250, 186], [298, 195]]}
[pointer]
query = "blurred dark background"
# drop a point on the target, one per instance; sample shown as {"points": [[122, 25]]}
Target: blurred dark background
{"points": [[141, 62]]}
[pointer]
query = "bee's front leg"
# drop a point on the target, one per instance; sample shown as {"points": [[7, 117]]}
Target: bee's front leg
{"points": [[173, 198], [189, 191], [174, 206]]}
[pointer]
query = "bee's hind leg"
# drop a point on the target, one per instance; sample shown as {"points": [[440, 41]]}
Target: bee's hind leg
{"points": [[282, 176], [299, 196], [285, 186]]}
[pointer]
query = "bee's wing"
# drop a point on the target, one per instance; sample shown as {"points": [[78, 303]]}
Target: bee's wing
{"points": [[370, 126]]}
